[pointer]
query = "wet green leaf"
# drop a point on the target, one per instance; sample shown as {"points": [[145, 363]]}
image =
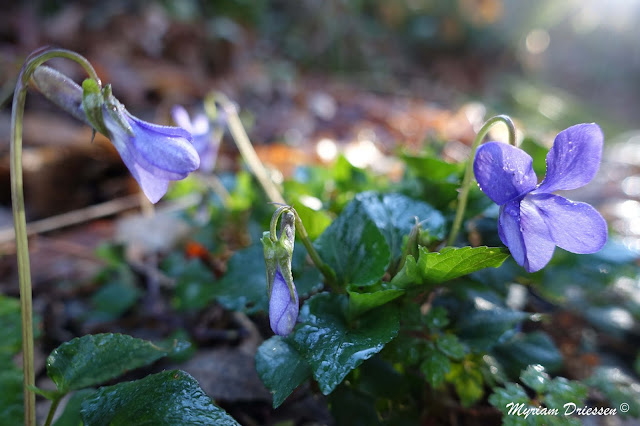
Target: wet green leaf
{"points": [[395, 215], [354, 247], [504, 399], [281, 368], [447, 264], [331, 346], [168, 398], [535, 377], [453, 262], [93, 359], [359, 303], [560, 391]]}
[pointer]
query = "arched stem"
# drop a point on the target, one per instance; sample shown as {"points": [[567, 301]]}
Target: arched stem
{"points": [[251, 158], [466, 180], [19, 218]]}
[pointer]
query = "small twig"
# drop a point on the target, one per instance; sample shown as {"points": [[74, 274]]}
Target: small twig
{"points": [[74, 217]]}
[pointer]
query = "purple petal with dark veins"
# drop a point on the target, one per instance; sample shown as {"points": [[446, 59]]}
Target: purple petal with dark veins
{"points": [[503, 171], [283, 311], [574, 158], [523, 230], [575, 227]]}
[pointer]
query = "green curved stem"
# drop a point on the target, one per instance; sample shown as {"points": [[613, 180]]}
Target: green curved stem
{"points": [[19, 218], [52, 410], [466, 180], [244, 145], [251, 158], [329, 275]]}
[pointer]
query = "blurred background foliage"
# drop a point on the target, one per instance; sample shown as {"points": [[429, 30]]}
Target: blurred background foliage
{"points": [[515, 54]]}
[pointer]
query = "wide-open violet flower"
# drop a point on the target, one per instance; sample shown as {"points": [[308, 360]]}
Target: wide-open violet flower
{"points": [[533, 220], [205, 140], [283, 309], [153, 154]]}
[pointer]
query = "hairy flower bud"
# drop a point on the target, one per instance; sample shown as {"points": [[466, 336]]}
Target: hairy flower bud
{"points": [[153, 154], [283, 297]]}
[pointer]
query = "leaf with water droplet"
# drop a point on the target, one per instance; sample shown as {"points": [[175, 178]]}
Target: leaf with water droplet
{"points": [[333, 347], [281, 368], [354, 247], [163, 399], [450, 263]]}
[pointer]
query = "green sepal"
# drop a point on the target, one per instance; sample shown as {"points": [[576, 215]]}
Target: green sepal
{"points": [[92, 102], [116, 110], [278, 253], [270, 262], [284, 248]]}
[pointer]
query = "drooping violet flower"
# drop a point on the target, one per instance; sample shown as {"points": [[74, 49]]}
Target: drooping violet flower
{"points": [[278, 252], [153, 154], [283, 309], [206, 139], [533, 220]]}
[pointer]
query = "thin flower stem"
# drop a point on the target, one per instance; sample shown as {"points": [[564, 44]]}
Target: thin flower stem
{"points": [[328, 273], [273, 234], [19, 218], [52, 410], [251, 158], [466, 180], [245, 147]]}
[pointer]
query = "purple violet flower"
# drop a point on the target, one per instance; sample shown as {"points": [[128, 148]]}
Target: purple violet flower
{"points": [[205, 141], [533, 220], [154, 154], [283, 309]]}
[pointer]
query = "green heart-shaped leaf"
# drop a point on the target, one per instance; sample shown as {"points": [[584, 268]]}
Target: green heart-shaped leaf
{"points": [[331, 346], [93, 359], [165, 399]]}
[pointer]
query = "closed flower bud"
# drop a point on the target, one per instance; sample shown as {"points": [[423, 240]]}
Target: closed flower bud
{"points": [[283, 297]]}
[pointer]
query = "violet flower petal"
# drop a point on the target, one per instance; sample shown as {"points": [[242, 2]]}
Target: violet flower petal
{"points": [[575, 227], [283, 312], [503, 172], [523, 230], [153, 154], [200, 125], [152, 186], [537, 239], [181, 117], [164, 149], [201, 131], [574, 158], [510, 232]]}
